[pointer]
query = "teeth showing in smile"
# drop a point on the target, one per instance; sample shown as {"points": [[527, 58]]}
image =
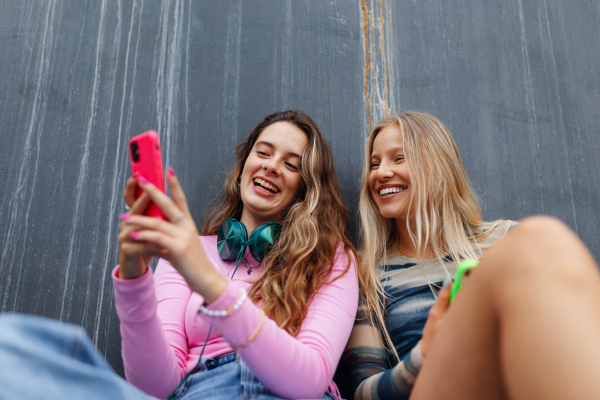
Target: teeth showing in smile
{"points": [[391, 190], [264, 185]]}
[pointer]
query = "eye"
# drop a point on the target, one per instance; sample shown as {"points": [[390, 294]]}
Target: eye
{"points": [[374, 165], [291, 166], [399, 158], [262, 153]]}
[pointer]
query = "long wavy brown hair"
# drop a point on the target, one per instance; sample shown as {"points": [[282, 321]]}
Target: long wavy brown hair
{"points": [[301, 260]]}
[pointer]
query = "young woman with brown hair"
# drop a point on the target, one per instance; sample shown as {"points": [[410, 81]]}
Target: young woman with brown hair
{"points": [[261, 305], [287, 315], [526, 323]]}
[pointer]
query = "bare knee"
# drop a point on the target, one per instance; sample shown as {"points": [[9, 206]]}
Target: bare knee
{"points": [[541, 248]]}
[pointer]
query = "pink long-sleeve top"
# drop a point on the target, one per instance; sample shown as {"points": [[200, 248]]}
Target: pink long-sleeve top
{"points": [[163, 332]]}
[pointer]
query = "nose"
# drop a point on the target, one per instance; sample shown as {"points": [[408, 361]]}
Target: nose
{"points": [[271, 168], [384, 172]]}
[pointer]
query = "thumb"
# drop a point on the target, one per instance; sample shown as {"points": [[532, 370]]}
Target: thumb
{"points": [[443, 298]]}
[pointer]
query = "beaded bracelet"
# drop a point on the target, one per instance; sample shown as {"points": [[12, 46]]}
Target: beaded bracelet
{"points": [[254, 334], [230, 309]]}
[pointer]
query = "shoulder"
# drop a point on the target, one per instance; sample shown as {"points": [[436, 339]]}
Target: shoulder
{"points": [[343, 260], [209, 244], [496, 230]]}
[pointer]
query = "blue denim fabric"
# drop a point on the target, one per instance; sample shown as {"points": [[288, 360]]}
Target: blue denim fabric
{"points": [[226, 377], [45, 359]]}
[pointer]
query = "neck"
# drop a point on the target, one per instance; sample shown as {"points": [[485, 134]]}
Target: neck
{"points": [[405, 244], [251, 221]]}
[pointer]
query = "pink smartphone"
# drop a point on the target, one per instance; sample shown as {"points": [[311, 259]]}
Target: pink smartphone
{"points": [[146, 159]]}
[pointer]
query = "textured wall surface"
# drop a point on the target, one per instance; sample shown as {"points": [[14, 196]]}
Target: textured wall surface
{"points": [[516, 82]]}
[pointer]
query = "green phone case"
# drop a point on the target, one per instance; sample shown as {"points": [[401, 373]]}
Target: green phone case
{"points": [[460, 271]]}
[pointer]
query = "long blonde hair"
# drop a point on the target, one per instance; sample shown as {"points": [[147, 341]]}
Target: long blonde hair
{"points": [[444, 215], [301, 260]]}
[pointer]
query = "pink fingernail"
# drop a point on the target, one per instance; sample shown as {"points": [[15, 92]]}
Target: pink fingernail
{"points": [[143, 180], [135, 174], [125, 217], [134, 234], [170, 170]]}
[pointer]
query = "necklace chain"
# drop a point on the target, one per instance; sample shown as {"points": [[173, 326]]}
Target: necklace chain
{"points": [[250, 267], [401, 253]]}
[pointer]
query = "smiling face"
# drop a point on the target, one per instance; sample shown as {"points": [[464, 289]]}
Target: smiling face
{"points": [[389, 176], [271, 178]]}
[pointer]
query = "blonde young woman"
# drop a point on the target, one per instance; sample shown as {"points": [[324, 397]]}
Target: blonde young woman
{"points": [[258, 322], [526, 324]]}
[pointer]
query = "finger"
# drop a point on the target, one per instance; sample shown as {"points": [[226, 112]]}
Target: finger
{"points": [[177, 192], [166, 205], [444, 296], [125, 233], [441, 303], [129, 193], [141, 222], [158, 239], [140, 205]]}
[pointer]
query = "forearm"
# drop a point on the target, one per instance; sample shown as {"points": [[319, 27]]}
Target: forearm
{"points": [[395, 383], [149, 361]]}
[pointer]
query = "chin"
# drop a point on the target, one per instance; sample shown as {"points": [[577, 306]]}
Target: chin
{"points": [[387, 213]]}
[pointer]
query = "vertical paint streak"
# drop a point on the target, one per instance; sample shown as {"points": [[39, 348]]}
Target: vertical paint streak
{"points": [[367, 55], [529, 100], [116, 188], [83, 165], [386, 109], [231, 87], [287, 59], [563, 129], [160, 82], [378, 64], [14, 207]]}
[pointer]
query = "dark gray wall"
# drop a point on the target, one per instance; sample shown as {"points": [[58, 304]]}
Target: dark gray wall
{"points": [[516, 81]]}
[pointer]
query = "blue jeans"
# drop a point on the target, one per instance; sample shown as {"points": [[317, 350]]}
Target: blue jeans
{"points": [[45, 359]]}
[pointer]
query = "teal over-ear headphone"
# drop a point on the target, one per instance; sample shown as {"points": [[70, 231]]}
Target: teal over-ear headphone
{"points": [[232, 240]]}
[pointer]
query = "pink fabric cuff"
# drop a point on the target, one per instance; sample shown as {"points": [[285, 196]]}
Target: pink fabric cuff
{"points": [[241, 323], [136, 297]]}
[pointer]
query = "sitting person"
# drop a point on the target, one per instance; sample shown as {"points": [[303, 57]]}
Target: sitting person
{"points": [[224, 315], [526, 324]]}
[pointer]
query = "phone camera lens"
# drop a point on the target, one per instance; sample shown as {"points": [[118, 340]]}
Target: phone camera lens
{"points": [[135, 152]]}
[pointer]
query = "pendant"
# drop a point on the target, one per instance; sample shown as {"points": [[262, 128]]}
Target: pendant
{"points": [[249, 271]]}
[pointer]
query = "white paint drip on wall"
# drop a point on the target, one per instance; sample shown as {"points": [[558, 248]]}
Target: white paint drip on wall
{"points": [[530, 102], [561, 121], [83, 167], [18, 218], [115, 182], [228, 120]]}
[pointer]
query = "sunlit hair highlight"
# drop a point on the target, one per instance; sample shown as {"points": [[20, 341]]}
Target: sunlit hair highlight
{"points": [[444, 214], [301, 260]]}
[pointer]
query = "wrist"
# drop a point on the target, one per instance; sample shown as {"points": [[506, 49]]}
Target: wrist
{"points": [[211, 286], [123, 275], [131, 271]]}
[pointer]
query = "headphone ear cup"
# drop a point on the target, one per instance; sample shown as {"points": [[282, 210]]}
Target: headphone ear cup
{"points": [[232, 234], [262, 238]]}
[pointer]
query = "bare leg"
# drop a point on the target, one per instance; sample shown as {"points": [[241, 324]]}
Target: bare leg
{"points": [[525, 326]]}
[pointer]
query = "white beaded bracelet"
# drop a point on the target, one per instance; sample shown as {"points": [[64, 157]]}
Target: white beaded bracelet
{"points": [[229, 310]]}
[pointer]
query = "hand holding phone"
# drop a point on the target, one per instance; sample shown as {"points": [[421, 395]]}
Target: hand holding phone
{"points": [[146, 160]]}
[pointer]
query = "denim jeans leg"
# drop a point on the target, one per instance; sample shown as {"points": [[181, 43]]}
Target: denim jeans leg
{"points": [[45, 359]]}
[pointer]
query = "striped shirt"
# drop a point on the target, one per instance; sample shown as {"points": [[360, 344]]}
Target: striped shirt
{"points": [[409, 287]]}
